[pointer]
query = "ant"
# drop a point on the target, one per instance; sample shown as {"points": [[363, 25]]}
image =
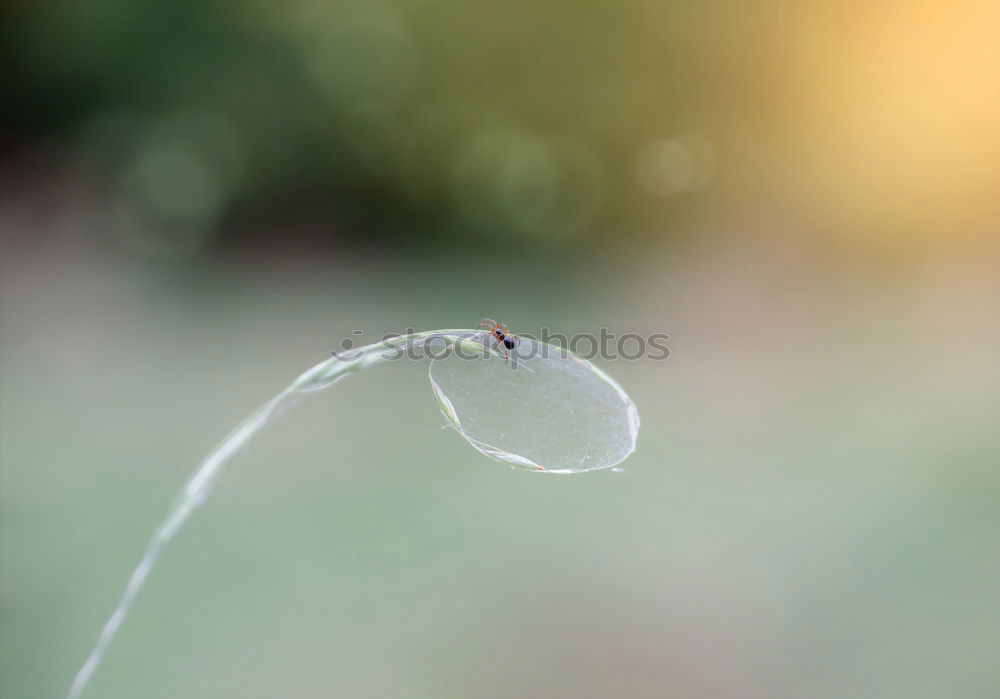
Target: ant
{"points": [[504, 340]]}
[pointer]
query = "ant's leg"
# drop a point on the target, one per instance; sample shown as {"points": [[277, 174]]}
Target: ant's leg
{"points": [[506, 354], [488, 322], [497, 346]]}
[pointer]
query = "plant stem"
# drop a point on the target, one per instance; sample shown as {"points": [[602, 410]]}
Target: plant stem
{"points": [[196, 491]]}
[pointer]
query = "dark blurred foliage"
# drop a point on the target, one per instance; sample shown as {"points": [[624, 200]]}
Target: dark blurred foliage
{"points": [[553, 124], [395, 120]]}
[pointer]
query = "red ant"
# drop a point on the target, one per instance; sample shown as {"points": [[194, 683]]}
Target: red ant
{"points": [[502, 337]]}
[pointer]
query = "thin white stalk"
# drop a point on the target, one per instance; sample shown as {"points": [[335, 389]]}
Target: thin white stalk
{"points": [[194, 494], [319, 377]]}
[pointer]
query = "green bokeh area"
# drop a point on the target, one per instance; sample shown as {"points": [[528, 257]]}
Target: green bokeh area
{"points": [[809, 514], [416, 124]]}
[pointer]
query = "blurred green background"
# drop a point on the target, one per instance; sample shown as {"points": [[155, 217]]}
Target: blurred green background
{"points": [[199, 200]]}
